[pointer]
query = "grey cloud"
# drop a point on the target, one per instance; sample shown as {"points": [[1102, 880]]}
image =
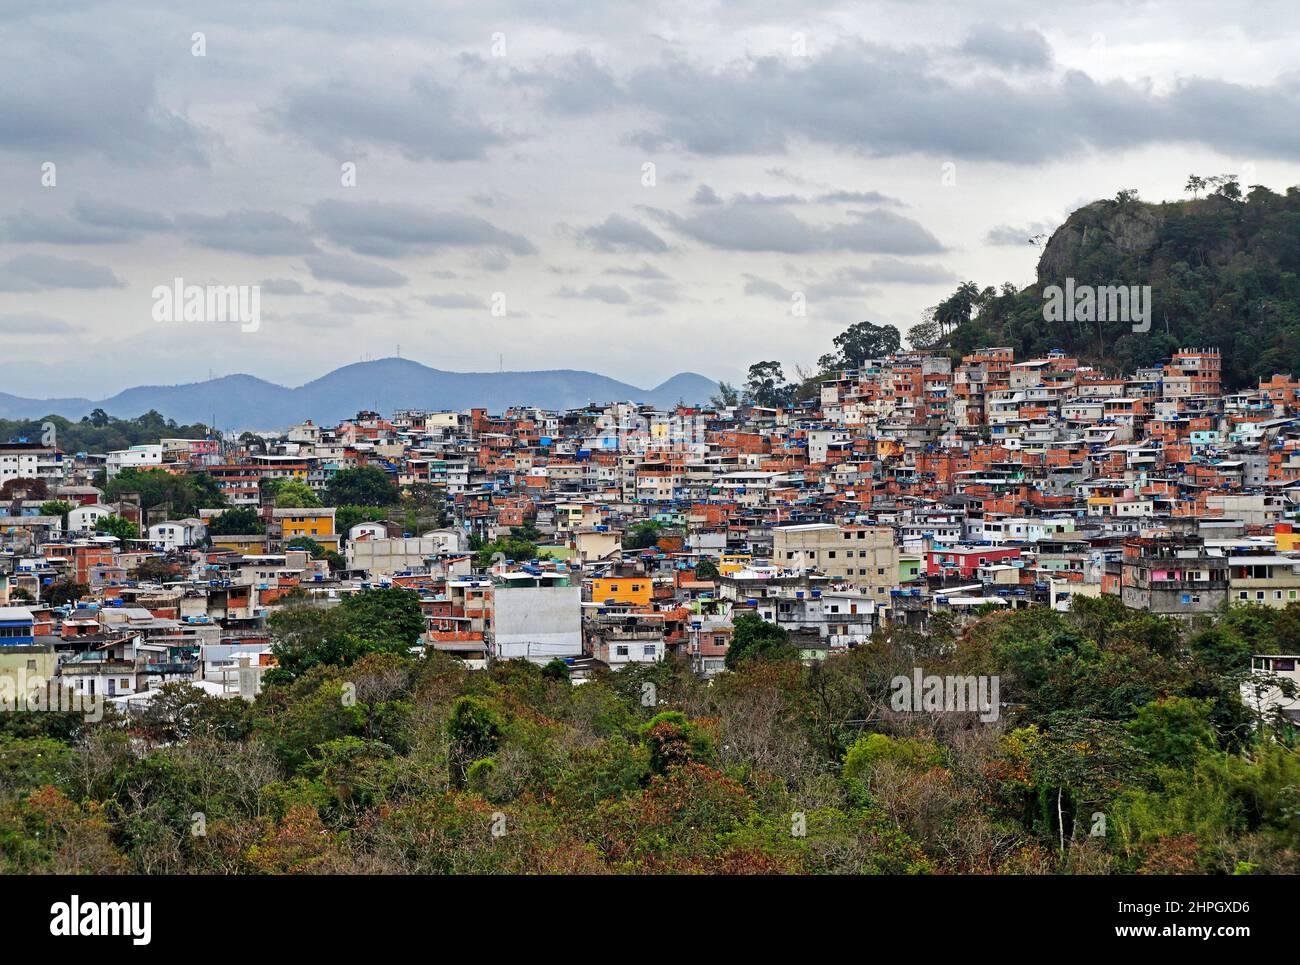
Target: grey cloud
{"points": [[743, 225], [90, 222], [353, 271], [755, 285], [1012, 47], [1005, 234], [886, 102], [34, 324], [620, 234], [706, 195], [282, 286], [453, 300], [857, 197], [424, 122], [610, 294], [54, 103], [392, 230], [897, 271], [249, 232], [660, 291], [59, 229], [31, 273], [493, 260], [643, 270], [110, 214], [576, 84], [350, 304]]}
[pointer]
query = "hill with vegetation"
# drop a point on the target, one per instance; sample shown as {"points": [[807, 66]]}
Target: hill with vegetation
{"points": [[1224, 271]]}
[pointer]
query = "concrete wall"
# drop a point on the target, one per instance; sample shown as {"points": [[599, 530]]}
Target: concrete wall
{"points": [[389, 556], [537, 623]]}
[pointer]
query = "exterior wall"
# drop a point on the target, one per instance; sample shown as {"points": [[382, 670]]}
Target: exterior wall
{"points": [[389, 556], [629, 590], [538, 623]]}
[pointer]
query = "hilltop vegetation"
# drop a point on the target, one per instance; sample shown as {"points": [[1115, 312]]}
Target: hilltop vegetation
{"points": [[1224, 272], [1125, 748], [100, 432]]}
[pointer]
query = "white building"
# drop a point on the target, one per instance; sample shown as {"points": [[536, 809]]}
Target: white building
{"points": [[177, 533], [83, 518], [137, 457], [536, 617]]}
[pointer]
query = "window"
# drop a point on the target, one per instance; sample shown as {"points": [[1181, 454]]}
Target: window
{"points": [[620, 651], [648, 650]]}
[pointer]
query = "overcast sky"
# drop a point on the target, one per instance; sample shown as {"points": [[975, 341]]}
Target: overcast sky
{"points": [[502, 146]]}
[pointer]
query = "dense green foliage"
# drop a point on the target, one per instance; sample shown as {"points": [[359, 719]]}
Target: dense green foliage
{"points": [[1224, 273], [362, 486], [100, 432], [292, 493], [1123, 747], [184, 495], [123, 529], [237, 521]]}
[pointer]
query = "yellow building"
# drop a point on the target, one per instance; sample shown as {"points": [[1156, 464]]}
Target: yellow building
{"points": [[240, 544], [731, 563], [28, 666], [1287, 541], [312, 522], [626, 590]]}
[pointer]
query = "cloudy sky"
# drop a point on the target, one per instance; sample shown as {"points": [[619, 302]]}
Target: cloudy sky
{"points": [[644, 187]]}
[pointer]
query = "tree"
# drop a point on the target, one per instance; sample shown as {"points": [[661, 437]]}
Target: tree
{"points": [[1175, 731], [512, 549], [362, 486], [65, 591], [766, 386], [374, 621], [185, 495], [239, 521], [753, 637], [925, 334], [292, 493], [30, 487], [123, 529], [1195, 185], [706, 570], [386, 619], [556, 669], [957, 309], [642, 535], [866, 341], [157, 570], [57, 507], [315, 549], [726, 397], [1227, 186]]}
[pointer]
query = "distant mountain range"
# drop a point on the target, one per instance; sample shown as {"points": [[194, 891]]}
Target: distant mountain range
{"points": [[242, 402]]}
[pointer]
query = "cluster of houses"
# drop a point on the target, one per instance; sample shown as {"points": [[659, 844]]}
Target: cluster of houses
{"points": [[910, 486]]}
